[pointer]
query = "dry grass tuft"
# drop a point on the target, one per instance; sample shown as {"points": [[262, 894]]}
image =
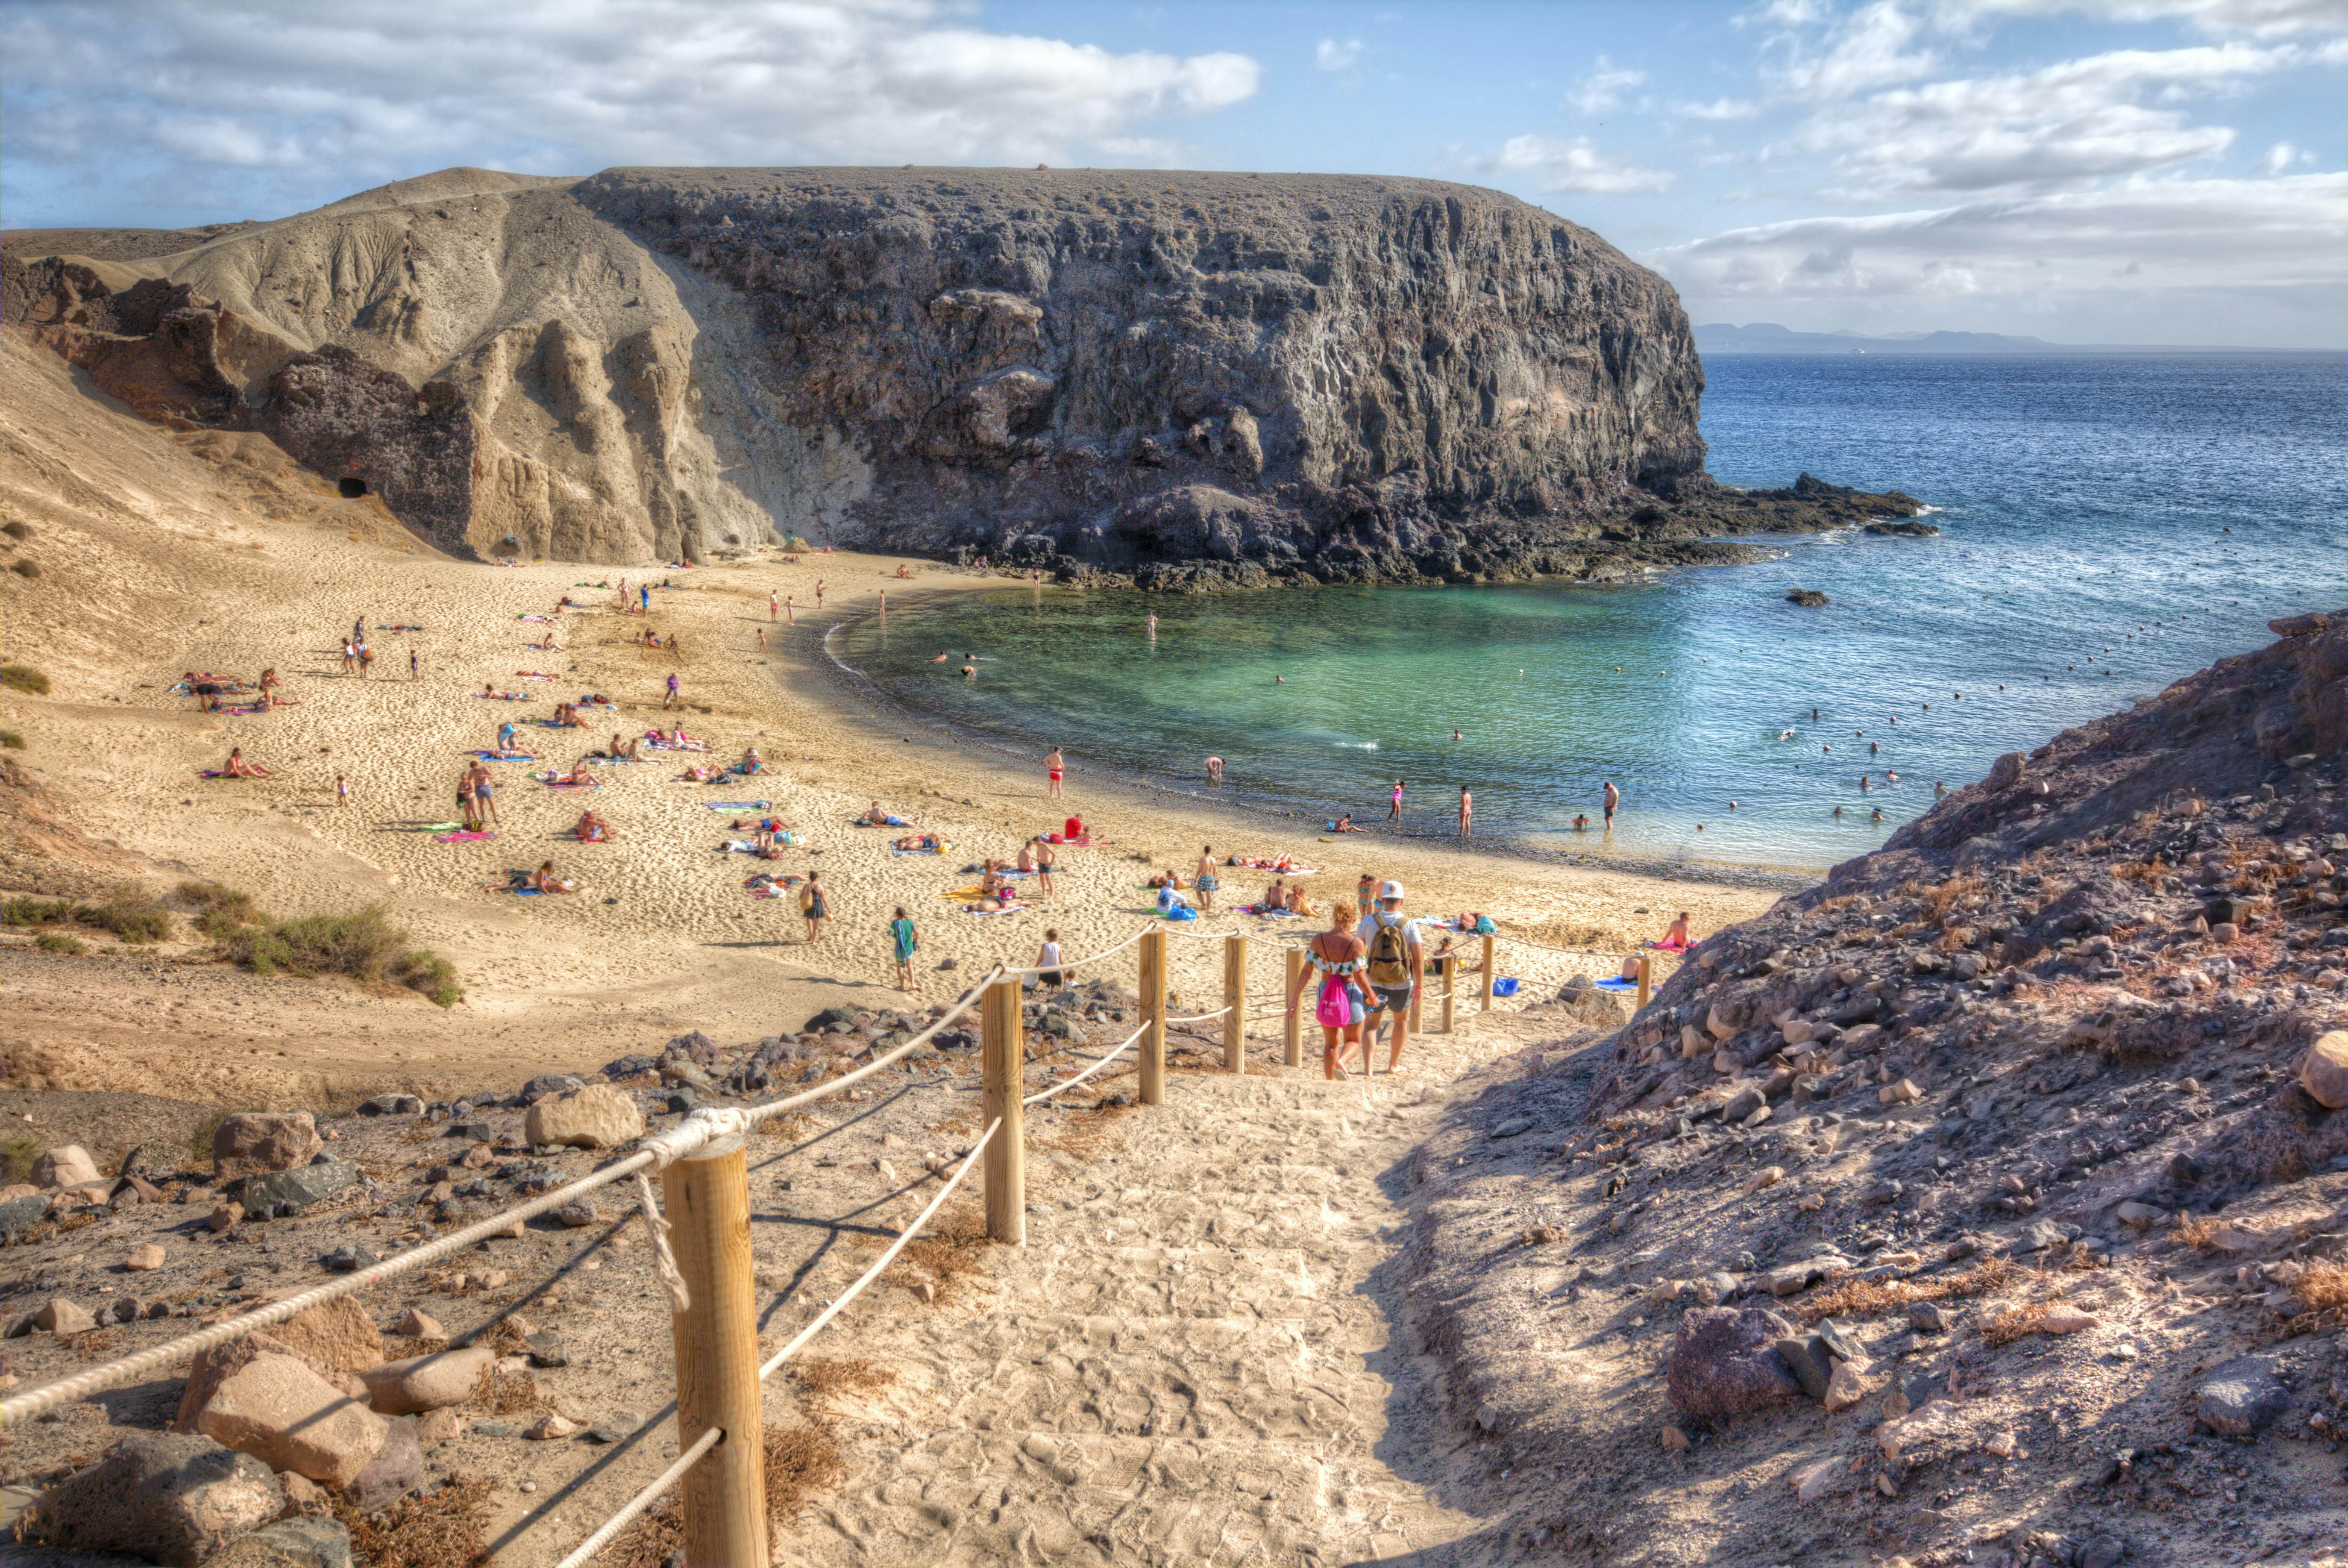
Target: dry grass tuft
{"points": [[826, 1376], [2198, 1230], [1864, 1299], [505, 1394], [1938, 901], [2015, 1322], [800, 1463], [2321, 1285], [954, 1246], [444, 1528]]}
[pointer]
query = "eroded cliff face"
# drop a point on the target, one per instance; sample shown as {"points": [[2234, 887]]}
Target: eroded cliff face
{"points": [[1191, 378]]}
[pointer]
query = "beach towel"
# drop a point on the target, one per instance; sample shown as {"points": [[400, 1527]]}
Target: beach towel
{"points": [[737, 805], [1616, 984], [462, 836], [505, 757], [534, 675], [1083, 843], [257, 708], [543, 619], [1006, 909], [500, 696], [401, 628], [939, 850]]}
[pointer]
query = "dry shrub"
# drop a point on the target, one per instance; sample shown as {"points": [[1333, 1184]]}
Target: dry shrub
{"points": [[829, 1376], [2015, 1322], [444, 1528], [2198, 1230], [1955, 939], [2150, 870], [500, 1393], [953, 1245], [1864, 1299], [98, 1346], [1938, 901], [2321, 1285], [800, 1463]]}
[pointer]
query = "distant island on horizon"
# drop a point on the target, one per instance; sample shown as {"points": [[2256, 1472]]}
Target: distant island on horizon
{"points": [[1768, 337]]}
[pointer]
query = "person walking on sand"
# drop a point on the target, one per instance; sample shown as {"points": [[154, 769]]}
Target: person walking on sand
{"points": [[1057, 766], [413, 673], [1044, 860], [1394, 961], [1365, 892], [1614, 799], [812, 907], [762, 639], [342, 790], [1466, 812], [790, 616], [774, 610], [1335, 955], [819, 592], [671, 700], [1203, 881], [350, 659], [1049, 976], [1393, 808], [907, 942]]}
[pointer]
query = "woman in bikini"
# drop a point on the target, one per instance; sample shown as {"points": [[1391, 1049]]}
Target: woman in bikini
{"points": [[1337, 956], [238, 768], [545, 881]]}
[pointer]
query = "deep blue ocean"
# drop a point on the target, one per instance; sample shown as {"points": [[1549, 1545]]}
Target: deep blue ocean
{"points": [[2109, 524]]}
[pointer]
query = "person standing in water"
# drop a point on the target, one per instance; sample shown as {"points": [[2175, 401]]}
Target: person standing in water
{"points": [[1466, 812], [1394, 810], [1056, 765], [1614, 799], [1214, 770]]}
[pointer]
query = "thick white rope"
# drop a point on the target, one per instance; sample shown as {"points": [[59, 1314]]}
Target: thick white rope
{"points": [[834, 1310], [680, 1299], [1080, 963], [1061, 1088], [585, 1550], [1202, 1017]]}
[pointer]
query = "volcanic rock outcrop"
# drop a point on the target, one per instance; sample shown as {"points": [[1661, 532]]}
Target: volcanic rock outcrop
{"points": [[1189, 380]]}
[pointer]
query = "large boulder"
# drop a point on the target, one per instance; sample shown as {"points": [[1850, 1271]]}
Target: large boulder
{"points": [[1591, 1005], [2242, 1398], [280, 1410], [68, 1166], [291, 1192], [2324, 1071], [595, 1116], [1724, 1362], [422, 1383], [255, 1142], [164, 1499]]}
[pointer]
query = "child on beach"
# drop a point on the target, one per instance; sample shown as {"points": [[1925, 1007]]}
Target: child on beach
{"points": [[906, 940], [342, 790]]}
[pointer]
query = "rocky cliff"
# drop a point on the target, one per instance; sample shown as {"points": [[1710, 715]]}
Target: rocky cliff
{"points": [[1191, 378]]}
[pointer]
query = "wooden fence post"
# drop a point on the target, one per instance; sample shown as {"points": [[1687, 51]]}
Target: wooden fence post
{"points": [[1646, 977], [1235, 999], [1484, 991], [1004, 1064], [1153, 1013], [1449, 964], [723, 1499], [1293, 1028]]}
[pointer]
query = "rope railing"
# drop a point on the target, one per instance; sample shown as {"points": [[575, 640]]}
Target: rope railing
{"points": [[585, 1550], [774, 1361], [1202, 1017], [1061, 1088]]}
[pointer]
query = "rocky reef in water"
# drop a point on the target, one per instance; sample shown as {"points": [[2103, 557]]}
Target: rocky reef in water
{"points": [[1181, 380]]}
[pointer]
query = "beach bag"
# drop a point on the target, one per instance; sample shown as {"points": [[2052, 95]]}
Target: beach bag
{"points": [[1389, 953], [1484, 926], [1335, 1009]]}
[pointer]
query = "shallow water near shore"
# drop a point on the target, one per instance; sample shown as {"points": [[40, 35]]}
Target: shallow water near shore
{"points": [[2085, 560]]}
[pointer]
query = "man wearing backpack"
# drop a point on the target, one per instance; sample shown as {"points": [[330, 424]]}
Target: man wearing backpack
{"points": [[1395, 962]]}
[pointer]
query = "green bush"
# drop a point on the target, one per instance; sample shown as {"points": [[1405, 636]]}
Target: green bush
{"points": [[131, 914], [24, 677], [12, 740], [17, 530], [221, 912], [26, 568], [18, 1152], [59, 942], [364, 946], [35, 912]]}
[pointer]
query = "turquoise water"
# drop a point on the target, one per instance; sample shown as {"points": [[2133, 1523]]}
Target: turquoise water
{"points": [[2109, 526]]}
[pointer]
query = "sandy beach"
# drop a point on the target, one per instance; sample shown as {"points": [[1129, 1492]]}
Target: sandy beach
{"points": [[172, 552]]}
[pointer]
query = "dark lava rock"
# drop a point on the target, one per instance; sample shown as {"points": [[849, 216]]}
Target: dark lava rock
{"points": [[169, 1498], [291, 1192], [546, 1350], [830, 1018], [628, 1066], [1723, 1363], [1806, 596], [348, 1260], [547, 1084], [2242, 1398], [473, 1131], [1907, 528], [696, 1046], [1807, 1358], [18, 1215], [392, 1105]]}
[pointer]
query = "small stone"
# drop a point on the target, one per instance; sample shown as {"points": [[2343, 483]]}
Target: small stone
{"points": [[260, 1141], [347, 1260], [392, 1105], [1927, 1317], [552, 1428], [2001, 1444], [1720, 1364], [578, 1214], [1845, 1388], [68, 1165], [1513, 1125], [546, 1350], [291, 1544], [492, 1429], [1673, 1440], [1812, 1482], [1839, 1343], [2242, 1398], [1767, 1176], [2063, 1318], [2040, 1236], [145, 1256], [595, 1116], [419, 1323], [291, 1192], [63, 1318], [2324, 1071], [336, 1335], [303, 1495], [1904, 1092], [441, 1426], [393, 1473], [1807, 1361]]}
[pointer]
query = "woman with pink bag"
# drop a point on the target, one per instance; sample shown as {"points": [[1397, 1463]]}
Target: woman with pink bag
{"points": [[1336, 956]]}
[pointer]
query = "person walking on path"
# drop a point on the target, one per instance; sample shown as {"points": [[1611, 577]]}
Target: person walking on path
{"points": [[1335, 955], [1202, 880], [1057, 766], [908, 941], [1393, 963], [1614, 799], [1466, 812], [812, 907]]}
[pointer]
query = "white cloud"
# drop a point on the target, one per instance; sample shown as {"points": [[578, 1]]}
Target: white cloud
{"points": [[1718, 109], [2067, 124], [2142, 236], [367, 90], [1556, 164], [1878, 44], [1602, 88], [2255, 18], [2282, 155], [1329, 55]]}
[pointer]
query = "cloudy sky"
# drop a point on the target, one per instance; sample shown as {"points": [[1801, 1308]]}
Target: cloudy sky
{"points": [[2086, 170]]}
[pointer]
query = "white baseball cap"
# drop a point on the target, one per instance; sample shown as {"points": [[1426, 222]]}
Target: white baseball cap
{"points": [[1391, 890]]}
